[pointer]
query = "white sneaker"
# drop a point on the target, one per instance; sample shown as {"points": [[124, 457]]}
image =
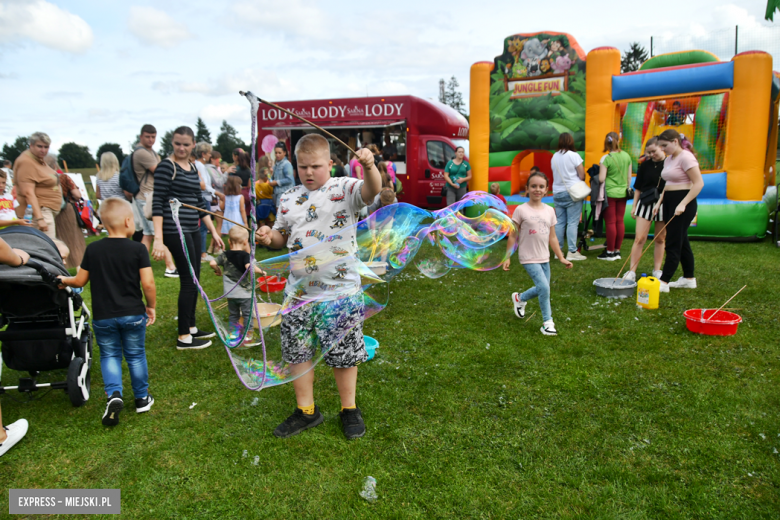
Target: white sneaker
{"points": [[548, 328], [16, 431], [684, 283], [657, 274], [664, 287], [630, 276], [519, 305], [573, 256]]}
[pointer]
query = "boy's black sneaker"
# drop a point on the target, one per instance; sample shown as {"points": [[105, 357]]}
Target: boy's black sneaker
{"points": [[194, 344], [352, 423], [202, 334], [113, 407], [298, 422], [144, 404]]}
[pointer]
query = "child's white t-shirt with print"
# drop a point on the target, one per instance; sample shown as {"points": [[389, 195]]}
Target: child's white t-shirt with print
{"points": [[534, 235], [8, 205], [326, 218]]}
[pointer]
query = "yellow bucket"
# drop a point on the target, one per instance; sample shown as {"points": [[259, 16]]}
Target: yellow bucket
{"points": [[648, 291]]}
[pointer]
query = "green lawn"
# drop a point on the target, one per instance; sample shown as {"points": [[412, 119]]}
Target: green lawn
{"points": [[471, 413]]}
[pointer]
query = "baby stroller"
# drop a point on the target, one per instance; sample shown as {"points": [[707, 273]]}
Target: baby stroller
{"points": [[43, 331]]}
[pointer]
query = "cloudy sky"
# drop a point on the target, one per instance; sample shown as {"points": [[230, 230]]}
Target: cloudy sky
{"points": [[95, 71]]}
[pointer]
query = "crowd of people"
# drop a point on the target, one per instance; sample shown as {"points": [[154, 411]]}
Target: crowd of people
{"points": [[664, 193], [139, 222]]}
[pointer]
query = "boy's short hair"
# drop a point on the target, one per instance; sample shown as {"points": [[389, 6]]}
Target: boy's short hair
{"points": [[237, 234], [387, 196], [495, 188], [148, 129], [113, 211], [312, 143], [535, 169]]}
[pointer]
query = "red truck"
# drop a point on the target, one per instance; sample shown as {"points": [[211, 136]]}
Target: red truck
{"points": [[422, 135]]}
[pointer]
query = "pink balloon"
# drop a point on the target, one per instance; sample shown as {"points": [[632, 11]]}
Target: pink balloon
{"points": [[268, 143]]}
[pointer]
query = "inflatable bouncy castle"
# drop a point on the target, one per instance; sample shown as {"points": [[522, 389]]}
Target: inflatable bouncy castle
{"points": [[543, 84]]}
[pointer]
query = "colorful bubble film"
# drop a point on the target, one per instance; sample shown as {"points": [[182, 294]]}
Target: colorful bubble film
{"points": [[387, 242]]}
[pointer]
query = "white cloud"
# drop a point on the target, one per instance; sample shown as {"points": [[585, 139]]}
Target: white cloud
{"points": [[217, 113], [154, 27], [44, 23], [265, 83], [295, 17]]}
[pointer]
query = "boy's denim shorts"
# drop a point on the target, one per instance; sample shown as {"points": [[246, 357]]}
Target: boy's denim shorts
{"points": [[336, 326]]}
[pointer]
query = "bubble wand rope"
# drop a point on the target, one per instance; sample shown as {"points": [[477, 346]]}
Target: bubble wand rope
{"points": [[643, 252], [277, 107], [215, 215], [721, 307], [175, 205]]}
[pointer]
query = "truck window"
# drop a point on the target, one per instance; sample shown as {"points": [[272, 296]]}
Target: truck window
{"points": [[439, 153]]}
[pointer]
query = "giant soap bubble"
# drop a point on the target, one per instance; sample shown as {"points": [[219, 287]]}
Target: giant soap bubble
{"points": [[386, 242]]}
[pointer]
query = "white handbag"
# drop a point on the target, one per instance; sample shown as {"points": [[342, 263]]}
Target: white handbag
{"points": [[579, 190]]}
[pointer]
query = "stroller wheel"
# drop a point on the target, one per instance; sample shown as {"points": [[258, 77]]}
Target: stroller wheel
{"points": [[78, 382]]}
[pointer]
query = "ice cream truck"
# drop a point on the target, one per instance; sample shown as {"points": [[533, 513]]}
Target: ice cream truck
{"points": [[421, 135]]}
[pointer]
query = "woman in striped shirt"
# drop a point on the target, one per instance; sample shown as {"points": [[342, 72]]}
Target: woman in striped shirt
{"points": [[177, 178]]}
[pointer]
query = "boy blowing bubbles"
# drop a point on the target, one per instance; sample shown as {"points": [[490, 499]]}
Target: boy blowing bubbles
{"points": [[119, 269], [308, 214]]}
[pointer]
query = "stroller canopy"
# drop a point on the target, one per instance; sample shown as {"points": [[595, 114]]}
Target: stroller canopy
{"points": [[39, 247]]}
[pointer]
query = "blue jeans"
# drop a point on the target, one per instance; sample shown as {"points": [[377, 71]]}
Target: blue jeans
{"points": [[567, 213], [540, 275], [116, 336]]}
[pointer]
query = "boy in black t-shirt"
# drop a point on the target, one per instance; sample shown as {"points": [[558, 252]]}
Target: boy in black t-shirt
{"points": [[118, 269]]}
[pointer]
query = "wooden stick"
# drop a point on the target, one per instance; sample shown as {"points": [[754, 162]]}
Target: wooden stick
{"points": [[727, 301], [214, 214], [277, 107], [643, 252], [529, 317]]}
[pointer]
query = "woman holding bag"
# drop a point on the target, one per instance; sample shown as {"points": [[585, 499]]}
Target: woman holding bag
{"points": [[569, 190], [647, 190]]}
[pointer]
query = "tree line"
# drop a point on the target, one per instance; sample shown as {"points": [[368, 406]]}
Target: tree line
{"points": [[79, 156]]}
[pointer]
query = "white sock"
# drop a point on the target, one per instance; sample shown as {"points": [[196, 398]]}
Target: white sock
{"points": [[193, 330], [188, 339]]}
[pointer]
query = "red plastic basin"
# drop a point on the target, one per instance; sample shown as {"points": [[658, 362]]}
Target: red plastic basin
{"points": [[270, 284], [721, 324]]}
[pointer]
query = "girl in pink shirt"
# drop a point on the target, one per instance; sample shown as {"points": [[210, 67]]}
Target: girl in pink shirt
{"points": [[534, 220], [683, 184]]}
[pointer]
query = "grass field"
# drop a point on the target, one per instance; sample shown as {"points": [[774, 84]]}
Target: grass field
{"points": [[471, 413]]}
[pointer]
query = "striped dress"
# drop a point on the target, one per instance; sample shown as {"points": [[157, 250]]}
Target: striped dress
{"points": [[186, 188]]}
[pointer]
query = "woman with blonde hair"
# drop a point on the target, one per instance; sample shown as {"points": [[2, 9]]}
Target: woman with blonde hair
{"points": [[108, 178], [615, 174]]}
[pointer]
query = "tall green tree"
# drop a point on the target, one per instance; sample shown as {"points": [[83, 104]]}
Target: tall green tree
{"points": [[110, 147], [449, 95], [202, 133], [166, 144], [633, 58], [12, 151], [228, 140], [76, 156]]}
